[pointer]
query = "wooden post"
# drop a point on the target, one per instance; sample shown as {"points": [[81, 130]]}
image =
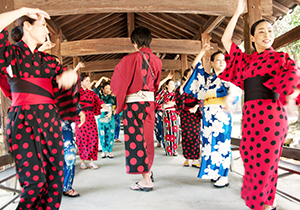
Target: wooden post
{"points": [[56, 39], [205, 39], [184, 64], [5, 6], [254, 14], [130, 23]]}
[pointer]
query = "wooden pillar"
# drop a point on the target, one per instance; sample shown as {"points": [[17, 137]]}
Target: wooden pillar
{"points": [[253, 15], [184, 64], [130, 23], [5, 6], [205, 39], [56, 39]]}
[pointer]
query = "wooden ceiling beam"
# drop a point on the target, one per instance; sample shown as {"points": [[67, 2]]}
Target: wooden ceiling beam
{"points": [[55, 30], [109, 65], [59, 7], [123, 45], [287, 38], [283, 10]]}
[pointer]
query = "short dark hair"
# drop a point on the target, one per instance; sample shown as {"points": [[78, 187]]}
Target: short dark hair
{"points": [[253, 27], [104, 84], [212, 57], [141, 36], [168, 81], [185, 73], [83, 76]]}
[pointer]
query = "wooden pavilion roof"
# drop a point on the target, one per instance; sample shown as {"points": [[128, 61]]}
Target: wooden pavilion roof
{"points": [[97, 31]]}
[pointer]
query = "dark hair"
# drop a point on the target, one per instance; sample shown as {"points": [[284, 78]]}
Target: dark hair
{"points": [[212, 57], [104, 84], [83, 76], [168, 81], [253, 27], [185, 73], [17, 32], [141, 36]]}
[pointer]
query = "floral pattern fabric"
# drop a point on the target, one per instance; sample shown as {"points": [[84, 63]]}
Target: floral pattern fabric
{"points": [[217, 123], [171, 123]]}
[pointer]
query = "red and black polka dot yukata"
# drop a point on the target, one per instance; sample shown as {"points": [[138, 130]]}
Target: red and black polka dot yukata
{"points": [[131, 75], [190, 124], [87, 134], [33, 128], [265, 125]]}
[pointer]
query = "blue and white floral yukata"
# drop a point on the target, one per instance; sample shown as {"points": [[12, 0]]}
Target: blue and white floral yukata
{"points": [[217, 123]]}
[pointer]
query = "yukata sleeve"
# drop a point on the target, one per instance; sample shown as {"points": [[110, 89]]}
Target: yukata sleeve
{"points": [[286, 80], [6, 52], [121, 81], [235, 64], [179, 100], [234, 91], [97, 102], [66, 100], [160, 96], [196, 83], [6, 58]]}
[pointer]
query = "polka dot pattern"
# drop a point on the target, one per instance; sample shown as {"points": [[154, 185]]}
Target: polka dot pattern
{"points": [[87, 135], [32, 156], [190, 125], [265, 124], [139, 145]]}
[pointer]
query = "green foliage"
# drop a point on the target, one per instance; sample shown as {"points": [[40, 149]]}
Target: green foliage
{"points": [[287, 23]]}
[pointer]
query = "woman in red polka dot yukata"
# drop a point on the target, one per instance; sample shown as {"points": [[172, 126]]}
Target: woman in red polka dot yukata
{"points": [[135, 82], [269, 79], [34, 135], [189, 108], [87, 135], [171, 120]]}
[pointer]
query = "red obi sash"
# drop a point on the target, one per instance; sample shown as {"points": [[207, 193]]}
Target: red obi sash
{"points": [[30, 91]]}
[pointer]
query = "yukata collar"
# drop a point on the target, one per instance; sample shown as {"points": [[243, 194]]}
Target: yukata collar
{"points": [[146, 49], [25, 47], [266, 51]]}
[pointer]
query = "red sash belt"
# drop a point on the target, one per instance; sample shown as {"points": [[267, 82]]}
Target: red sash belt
{"points": [[30, 91]]}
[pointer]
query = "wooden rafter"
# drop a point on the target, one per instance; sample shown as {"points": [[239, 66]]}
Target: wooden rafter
{"points": [[287, 38]]}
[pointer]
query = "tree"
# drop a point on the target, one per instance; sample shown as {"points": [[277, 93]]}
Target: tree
{"points": [[285, 24]]}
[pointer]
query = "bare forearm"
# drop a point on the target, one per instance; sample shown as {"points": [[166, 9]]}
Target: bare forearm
{"points": [[228, 33], [9, 17], [198, 58]]}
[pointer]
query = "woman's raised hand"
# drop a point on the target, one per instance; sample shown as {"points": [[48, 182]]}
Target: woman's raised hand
{"points": [[170, 75], [240, 7], [35, 13]]}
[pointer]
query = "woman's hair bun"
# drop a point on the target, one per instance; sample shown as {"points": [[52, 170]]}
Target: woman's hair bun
{"points": [[16, 34]]}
